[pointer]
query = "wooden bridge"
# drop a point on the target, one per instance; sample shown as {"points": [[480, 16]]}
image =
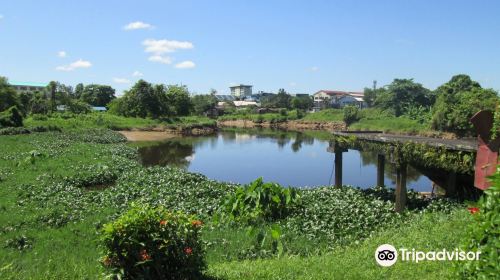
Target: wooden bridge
{"points": [[462, 145]]}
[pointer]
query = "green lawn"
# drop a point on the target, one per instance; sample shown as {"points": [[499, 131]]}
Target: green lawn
{"points": [[327, 115]]}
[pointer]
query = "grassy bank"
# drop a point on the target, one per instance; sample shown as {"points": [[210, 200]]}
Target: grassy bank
{"points": [[113, 122], [57, 189]]}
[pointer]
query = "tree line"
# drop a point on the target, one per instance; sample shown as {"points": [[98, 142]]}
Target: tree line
{"points": [[448, 108]]}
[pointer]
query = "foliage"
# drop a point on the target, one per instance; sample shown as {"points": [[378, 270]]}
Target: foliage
{"points": [[78, 107], [400, 94], [350, 114], [280, 100], [203, 103], [339, 215], [484, 235], [153, 243], [11, 118], [302, 103], [419, 113], [457, 101], [8, 96], [259, 201], [153, 101], [97, 95]]}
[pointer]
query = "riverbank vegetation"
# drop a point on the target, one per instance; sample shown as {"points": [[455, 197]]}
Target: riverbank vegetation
{"points": [[65, 186]]}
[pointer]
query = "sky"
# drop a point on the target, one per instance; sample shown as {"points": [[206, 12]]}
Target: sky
{"points": [[302, 46]]}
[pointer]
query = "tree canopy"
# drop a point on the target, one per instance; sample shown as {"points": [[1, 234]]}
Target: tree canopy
{"points": [[98, 95]]}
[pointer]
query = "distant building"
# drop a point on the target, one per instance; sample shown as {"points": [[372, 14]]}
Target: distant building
{"points": [[224, 97], [351, 99], [330, 98], [28, 87], [241, 91], [99, 108]]}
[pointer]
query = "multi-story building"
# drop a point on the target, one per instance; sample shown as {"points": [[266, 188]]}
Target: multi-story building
{"points": [[330, 98], [28, 87], [241, 91]]}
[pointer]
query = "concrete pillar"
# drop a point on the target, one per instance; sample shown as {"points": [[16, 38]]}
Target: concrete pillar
{"points": [[380, 170], [401, 188], [451, 184], [338, 168]]}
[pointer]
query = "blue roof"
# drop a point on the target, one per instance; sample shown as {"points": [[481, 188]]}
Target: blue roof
{"points": [[28, 84], [99, 108]]}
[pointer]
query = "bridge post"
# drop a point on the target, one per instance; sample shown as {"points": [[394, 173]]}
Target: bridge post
{"points": [[401, 187], [380, 170], [451, 184], [338, 167]]}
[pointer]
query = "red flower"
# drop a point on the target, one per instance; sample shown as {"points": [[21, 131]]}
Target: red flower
{"points": [[144, 255], [473, 210], [197, 223], [163, 222], [188, 250]]}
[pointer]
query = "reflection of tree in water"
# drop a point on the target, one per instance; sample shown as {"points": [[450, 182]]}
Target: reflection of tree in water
{"points": [[370, 158], [301, 138], [167, 153]]}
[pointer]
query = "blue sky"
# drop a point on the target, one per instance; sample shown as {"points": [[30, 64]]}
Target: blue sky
{"points": [[302, 46]]}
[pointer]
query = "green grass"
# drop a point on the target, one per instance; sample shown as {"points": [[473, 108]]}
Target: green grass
{"points": [[114, 122], [432, 231], [267, 117], [327, 115], [390, 124]]}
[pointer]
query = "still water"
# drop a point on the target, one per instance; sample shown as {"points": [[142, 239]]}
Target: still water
{"points": [[296, 159]]}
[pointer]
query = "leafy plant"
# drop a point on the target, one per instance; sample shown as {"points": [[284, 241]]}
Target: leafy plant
{"points": [[260, 201], [484, 235], [350, 114], [153, 243]]}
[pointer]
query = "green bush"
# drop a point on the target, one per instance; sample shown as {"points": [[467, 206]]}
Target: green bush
{"points": [[11, 118], [259, 202], [484, 235], [152, 243], [350, 114]]}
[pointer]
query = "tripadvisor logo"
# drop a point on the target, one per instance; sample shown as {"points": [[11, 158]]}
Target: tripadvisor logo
{"points": [[387, 255]]}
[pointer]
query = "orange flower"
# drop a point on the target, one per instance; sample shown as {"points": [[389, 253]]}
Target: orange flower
{"points": [[473, 210], [197, 223], [144, 255], [107, 261], [163, 222], [188, 250]]}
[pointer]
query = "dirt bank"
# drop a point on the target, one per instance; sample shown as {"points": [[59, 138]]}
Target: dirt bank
{"points": [[147, 135], [293, 125]]}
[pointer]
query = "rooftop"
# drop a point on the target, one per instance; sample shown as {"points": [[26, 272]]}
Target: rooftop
{"points": [[240, 85], [27, 84], [339, 92]]}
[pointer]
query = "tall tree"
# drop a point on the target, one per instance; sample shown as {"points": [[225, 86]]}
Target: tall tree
{"points": [[401, 94], [52, 89], [8, 96], [78, 90], [98, 95], [457, 101]]}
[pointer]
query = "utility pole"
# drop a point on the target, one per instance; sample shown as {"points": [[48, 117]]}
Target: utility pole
{"points": [[374, 85]]}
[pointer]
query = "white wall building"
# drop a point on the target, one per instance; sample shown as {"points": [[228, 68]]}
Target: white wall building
{"points": [[241, 91]]}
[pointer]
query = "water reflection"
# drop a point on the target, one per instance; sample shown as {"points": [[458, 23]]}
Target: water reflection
{"points": [[289, 158]]}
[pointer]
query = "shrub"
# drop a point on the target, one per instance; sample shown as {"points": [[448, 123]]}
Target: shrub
{"points": [[11, 118], [350, 114], [152, 243], [260, 201], [484, 235]]}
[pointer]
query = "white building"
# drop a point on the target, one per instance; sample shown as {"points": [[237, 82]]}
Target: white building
{"points": [[330, 98], [351, 99], [241, 91]]}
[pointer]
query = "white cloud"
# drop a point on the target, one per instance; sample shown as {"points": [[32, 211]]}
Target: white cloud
{"points": [[185, 65], [160, 59], [158, 47], [61, 54], [121, 81], [314, 69], [75, 65], [137, 74], [138, 25]]}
